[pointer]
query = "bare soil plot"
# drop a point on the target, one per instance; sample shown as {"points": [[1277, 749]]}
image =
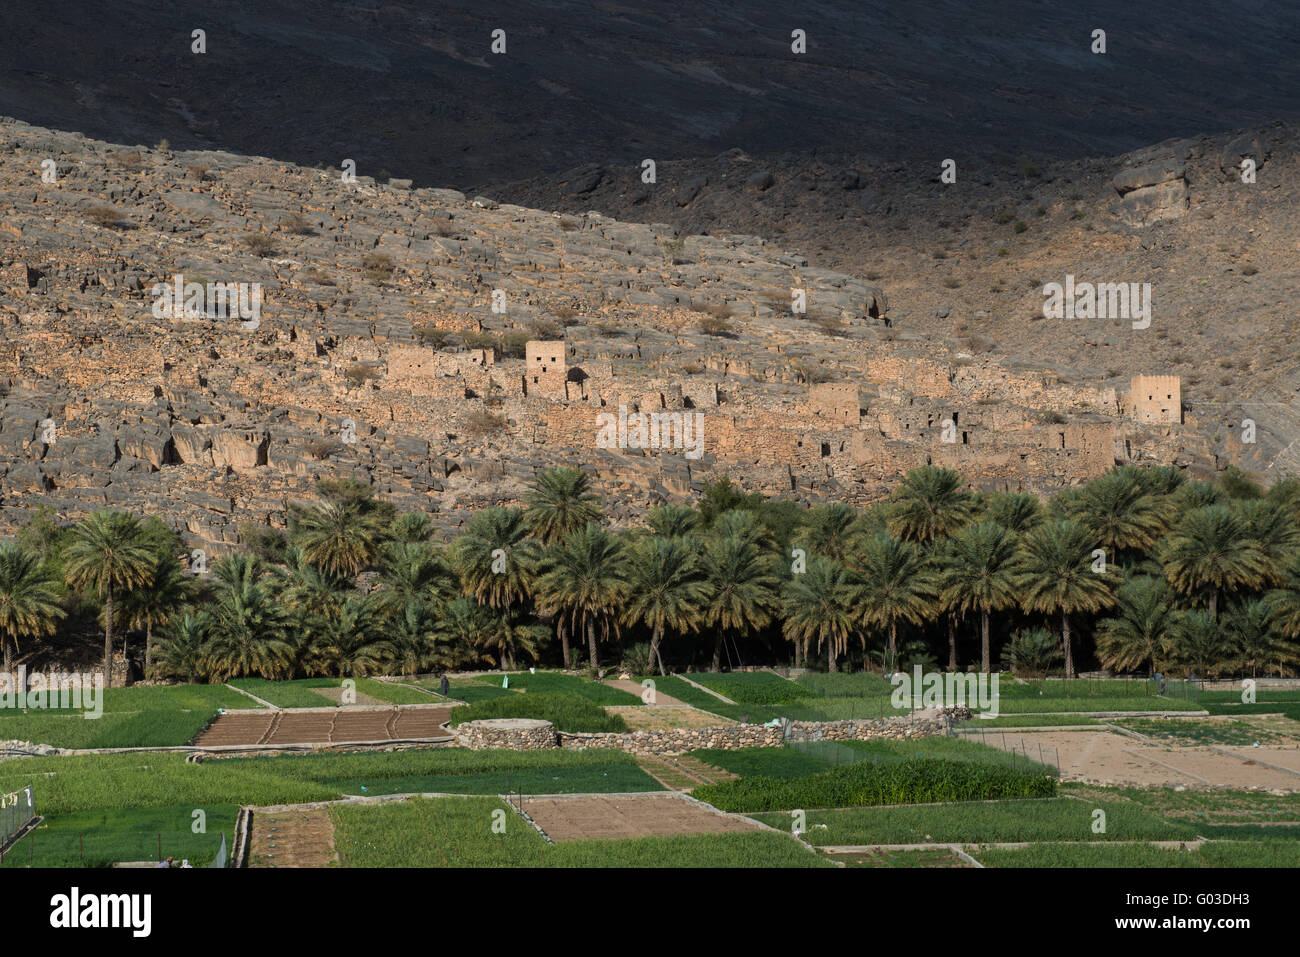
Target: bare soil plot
{"points": [[291, 837], [589, 818], [665, 717], [1107, 757], [339, 726], [681, 772]]}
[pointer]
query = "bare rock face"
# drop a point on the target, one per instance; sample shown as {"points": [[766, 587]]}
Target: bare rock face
{"points": [[1152, 192]]}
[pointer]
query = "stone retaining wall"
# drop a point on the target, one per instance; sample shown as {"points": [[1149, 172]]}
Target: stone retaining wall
{"points": [[518, 734]]}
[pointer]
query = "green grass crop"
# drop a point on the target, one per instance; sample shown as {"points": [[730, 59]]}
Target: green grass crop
{"points": [[68, 784], [458, 832], [952, 749], [1051, 819], [675, 687], [913, 781], [567, 712], [754, 687], [153, 716], [99, 838], [1202, 808], [1191, 732], [764, 762], [289, 694], [554, 682], [846, 685], [392, 692], [470, 691], [1210, 854]]}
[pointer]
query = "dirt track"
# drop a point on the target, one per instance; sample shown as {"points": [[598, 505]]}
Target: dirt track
{"points": [[339, 726]]}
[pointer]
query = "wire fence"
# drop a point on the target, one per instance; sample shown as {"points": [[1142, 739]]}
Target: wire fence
{"points": [[54, 846], [17, 809]]}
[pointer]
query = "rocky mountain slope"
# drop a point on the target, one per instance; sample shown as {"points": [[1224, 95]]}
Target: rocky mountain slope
{"points": [[390, 344]]}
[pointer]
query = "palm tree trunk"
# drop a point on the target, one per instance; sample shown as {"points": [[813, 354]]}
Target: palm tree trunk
{"points": [[108, 639], [833, 665], [1065, 638], [893, 643], [1214, 604], [654, 649], [952, 643], [148, 647], [564, 645], [717, 651], [126, 661], [984, 641], [8, 655], [591, 646]]}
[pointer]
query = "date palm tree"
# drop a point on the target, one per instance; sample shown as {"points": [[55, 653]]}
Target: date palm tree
{"points": [[584, 580], [251, 626], [339, 539], [108, 554], [183, 647], [831, 531], [417, 570], [667, 591], [1017, 512], [1209, 550], [464, 626], [929, 503], [1055, 575], [978, 575], [1258, 642], [163, 596], [742, 588], [1271, 527], [890, 585], [497, 561], [1142, 628], [1285, 599], [561, 501], [351, 643], [30, 604], [818, 604], [673, 521], [1119, 514]]}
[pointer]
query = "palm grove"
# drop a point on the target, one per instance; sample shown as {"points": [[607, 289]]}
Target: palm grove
{"points": [[1149, 570]]}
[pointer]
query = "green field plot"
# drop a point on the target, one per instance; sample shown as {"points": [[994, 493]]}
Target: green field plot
{"points": [[566, 711], [469, 690], [151, 716], [1211, 854], [100, 838], [458, 832], [1192, 732], [554, 682], [912, 781], [1053, 819], [1203, 808], [300, 693], [82, 783], [754, 687], [684, 691], [845, 685]]}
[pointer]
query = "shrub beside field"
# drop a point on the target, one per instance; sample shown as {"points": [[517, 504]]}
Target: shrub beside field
{"points": [[865, 784], [567, 712]]}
